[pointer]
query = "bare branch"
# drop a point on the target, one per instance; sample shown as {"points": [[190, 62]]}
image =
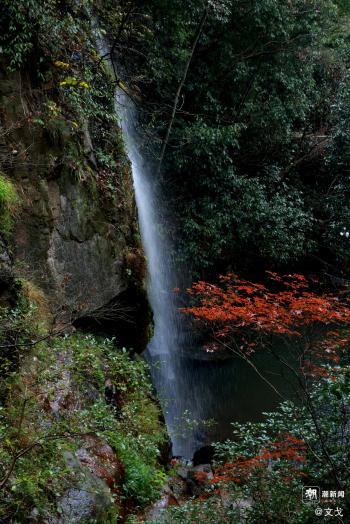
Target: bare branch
{"points": [[181, 84]]}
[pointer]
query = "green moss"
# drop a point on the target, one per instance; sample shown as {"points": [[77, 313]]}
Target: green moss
{"points": [[137, 432], [9, 201]]}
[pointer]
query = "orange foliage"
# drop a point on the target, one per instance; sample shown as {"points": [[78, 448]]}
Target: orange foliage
{"points": [[237, 304]]}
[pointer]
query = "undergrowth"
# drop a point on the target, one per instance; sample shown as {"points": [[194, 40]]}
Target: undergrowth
{"points": [[41, 477]]}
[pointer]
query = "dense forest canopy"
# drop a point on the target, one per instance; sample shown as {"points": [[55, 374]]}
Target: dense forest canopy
{"points": [[258, 154], [257, 157]]}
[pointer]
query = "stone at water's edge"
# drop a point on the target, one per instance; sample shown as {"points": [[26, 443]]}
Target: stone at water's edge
{"points": [[204, 455], [89, 499], [188, 484]]}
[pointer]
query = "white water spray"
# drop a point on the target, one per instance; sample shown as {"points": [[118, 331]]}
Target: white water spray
{"points": [[170, 337]]}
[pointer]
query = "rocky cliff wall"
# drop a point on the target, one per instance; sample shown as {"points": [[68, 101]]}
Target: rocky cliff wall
{"points": [[74, 225]]}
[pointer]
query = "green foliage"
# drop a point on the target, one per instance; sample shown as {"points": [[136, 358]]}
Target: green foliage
{"points": [[17, 327], [30, 29], [234, 213], [137, 432], [273, 494], [335, 211], [244, 166], [77, 109], [133, 430], [41, 472], [142, 480]]}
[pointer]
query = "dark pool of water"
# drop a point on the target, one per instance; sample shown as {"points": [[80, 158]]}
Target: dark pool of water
{"points": [[217, 392]]}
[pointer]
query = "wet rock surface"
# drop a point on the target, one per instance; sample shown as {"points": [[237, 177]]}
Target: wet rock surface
{"points": [[100, 459], [87, 501], [69, 236], [94, 473], [98, 475], [188, 481]]}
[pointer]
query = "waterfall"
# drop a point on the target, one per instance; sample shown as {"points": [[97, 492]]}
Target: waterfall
{"points": [[170, 336], [193, 389], [172, 378]]}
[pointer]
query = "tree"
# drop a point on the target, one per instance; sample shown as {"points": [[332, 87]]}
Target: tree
{"points": [[241, 315], [245, 159], [259, 473], [303, 443]]}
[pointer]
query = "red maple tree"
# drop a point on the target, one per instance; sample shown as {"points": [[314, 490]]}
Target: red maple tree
{"points": [[287, 448], [236, 308], [287, 452], [245, 316]]}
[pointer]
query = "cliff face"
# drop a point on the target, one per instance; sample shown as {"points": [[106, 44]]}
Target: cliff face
{"points": [[70, 255], [75, 220]]}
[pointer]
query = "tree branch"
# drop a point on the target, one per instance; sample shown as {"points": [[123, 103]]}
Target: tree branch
{"points": [[180, 86]]}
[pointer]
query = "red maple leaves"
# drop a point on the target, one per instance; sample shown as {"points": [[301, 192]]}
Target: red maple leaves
{"points": [[287, 453], [237, 305]]}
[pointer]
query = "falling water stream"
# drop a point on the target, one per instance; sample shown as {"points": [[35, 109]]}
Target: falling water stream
{"points": [[172, 378], [169, 331]]}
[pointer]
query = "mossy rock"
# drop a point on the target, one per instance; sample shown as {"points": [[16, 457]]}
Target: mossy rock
{"points": [[9, 202]]}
